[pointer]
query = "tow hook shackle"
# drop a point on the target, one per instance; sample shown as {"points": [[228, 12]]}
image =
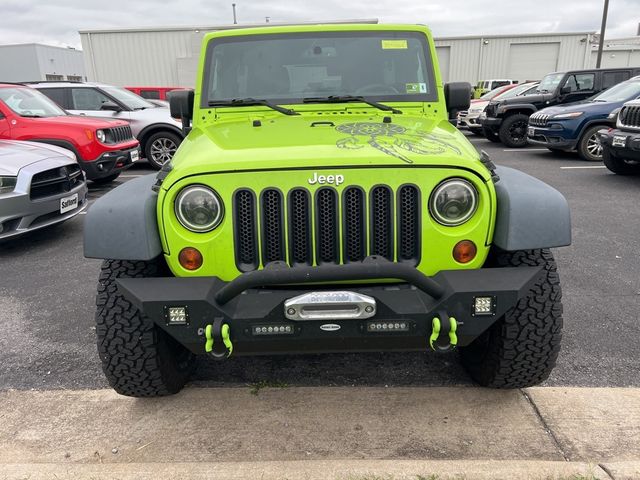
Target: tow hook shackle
{"points": [[218, 339], [443, 333]]}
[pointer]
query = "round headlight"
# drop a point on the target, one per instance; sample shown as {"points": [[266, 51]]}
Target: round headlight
{"points": [[198, 209], [100, 135], [453, 202]]}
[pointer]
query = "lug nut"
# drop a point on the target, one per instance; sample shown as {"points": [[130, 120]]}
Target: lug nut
{"points": [[368, 309], [291, 311]]}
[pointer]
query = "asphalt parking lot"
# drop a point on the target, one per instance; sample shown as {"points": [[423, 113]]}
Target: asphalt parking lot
{"points": [[47, 293]]}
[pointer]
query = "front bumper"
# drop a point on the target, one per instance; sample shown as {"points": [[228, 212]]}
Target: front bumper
{"points": [[19, 214], [550, 137], [630, 150], [492, 123], [110, 162], [257, 299]]}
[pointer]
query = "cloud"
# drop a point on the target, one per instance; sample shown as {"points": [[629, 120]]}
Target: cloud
{"points": [[58, 22]]}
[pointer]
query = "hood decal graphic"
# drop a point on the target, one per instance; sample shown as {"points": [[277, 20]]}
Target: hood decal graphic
{"points": [[393, 140]]}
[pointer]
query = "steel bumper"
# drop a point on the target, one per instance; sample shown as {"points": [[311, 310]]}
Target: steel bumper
{"points": [[257, 299]]}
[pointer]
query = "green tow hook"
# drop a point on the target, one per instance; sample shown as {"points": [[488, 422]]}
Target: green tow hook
{"points": [[218, 339], [441, 326]]}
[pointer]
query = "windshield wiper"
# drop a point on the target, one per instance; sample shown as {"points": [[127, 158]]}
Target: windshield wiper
{"points": [[350, 98], [242, 102]]}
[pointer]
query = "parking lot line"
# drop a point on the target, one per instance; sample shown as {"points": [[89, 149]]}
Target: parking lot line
{"points": [[582, 167]]}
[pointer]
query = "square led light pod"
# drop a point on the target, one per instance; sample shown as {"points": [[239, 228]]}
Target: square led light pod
{"points": [[176, 315], [484, 305]]}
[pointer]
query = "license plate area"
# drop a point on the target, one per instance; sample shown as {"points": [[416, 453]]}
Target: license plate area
{"points": [[531, 131], [69, 203], [340, 305], [135, 156], [619, 141]]}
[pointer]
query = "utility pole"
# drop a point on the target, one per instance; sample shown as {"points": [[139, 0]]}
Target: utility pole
{"points": [[603, 27], [235, 20]]}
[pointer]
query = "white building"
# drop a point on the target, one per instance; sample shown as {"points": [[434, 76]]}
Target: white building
{"points": [[34, 61], [169, 56]]}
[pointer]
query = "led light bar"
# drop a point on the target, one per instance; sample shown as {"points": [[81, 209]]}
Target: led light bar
{"points": [[274, 329], [387, 327]]}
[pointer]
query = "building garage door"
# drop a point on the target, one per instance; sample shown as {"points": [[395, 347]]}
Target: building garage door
{"points": [[444, 54], [532, 61]]}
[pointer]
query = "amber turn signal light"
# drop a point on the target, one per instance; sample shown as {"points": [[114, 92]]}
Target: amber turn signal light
{"points": [[464, 251], [190, 258]]}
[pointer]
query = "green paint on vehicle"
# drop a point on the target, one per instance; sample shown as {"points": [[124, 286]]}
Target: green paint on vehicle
{"points": [[226, 339], [435, 332], [208, 334], [453, 338]]}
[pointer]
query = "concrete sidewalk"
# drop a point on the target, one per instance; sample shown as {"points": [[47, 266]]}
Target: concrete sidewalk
{"points": [[325, 433]]}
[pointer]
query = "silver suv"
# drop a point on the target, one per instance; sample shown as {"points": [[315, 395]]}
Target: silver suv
{"points": [[159, 134]]}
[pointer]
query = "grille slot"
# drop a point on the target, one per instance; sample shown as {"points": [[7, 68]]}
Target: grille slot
{"points": [[55, 181], [327, 226], [272, 226], [300, 228], [354, 236], [630, 116], [381, 223], [409, 224], [245, 231], [120, 134]]}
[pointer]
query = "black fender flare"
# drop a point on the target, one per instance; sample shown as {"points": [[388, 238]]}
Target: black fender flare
{"points": [[530, 214], [157, 127], [122, 224], [505, 109]]}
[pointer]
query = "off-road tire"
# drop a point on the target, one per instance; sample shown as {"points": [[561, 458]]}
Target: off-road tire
{"points": [[619, 165], [107, 179], [589, 141], [513, 131], [521, 348], [160, 139], [490, 135], [138, 358]]}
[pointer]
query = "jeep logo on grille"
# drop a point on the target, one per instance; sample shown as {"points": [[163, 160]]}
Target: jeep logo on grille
{"points": [[324, 179]]}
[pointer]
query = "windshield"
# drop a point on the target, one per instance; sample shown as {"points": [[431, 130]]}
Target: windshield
{"points": [[129, 99], [286, 68], [493, 93], [515, 91], [550, 82], [28, 102], [620, 93]]}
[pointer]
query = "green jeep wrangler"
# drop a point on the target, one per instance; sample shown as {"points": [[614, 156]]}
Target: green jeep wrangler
{"points": [[323, 202]]}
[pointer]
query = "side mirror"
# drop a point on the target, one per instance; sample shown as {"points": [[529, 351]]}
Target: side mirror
{"points": [[110, 106], [565, 90], [181, 107], [457, 96]]}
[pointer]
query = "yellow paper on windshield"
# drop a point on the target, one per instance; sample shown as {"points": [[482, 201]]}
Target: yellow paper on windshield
{"points": [[394, 44]]}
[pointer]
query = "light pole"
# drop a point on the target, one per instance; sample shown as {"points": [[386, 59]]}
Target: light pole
{"points": [[602, 30], [235, 20]]}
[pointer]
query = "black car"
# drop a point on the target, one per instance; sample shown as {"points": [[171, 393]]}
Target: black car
{"points": [[621, 146], [507, 120]]}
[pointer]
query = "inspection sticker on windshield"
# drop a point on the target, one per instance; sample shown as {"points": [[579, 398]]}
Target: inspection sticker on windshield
{"points": [[416, 87], [394, 44]]}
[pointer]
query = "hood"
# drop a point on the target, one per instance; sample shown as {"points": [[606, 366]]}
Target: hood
{"points": [[154, 115], [80, 121], [15, 155], [321, 141], [532, 98], [587, 107]]}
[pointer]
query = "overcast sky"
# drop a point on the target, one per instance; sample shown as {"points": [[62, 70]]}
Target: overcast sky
{"points": [[57, 22]]}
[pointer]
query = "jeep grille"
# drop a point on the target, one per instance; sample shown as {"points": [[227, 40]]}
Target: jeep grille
{"points": [[630, 116], [538, 119], [120, 134], [302, 228]]}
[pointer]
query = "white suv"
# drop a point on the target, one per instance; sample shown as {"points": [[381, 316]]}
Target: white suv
{"points": [[159, 134]]}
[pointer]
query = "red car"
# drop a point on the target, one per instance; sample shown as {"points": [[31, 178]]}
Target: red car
{"points": [[103, 148], [153, 93]]}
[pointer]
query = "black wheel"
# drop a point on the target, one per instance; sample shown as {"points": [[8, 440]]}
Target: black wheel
{"points": [[107, 179], [160, 147], [589, 146], [490, 135], [513, 131], [138, 358], [619, 165], [521, 348]]}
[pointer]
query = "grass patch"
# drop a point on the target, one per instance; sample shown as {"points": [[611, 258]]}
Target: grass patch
{"points": [[256, 387]]}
